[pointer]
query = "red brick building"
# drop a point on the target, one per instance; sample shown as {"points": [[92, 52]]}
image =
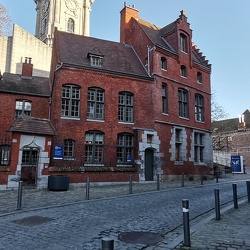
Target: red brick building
{"points": [[25, 131], [140, 107]]}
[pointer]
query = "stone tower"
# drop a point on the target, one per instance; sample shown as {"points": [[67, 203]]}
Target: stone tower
{"points": [[67, 15]]}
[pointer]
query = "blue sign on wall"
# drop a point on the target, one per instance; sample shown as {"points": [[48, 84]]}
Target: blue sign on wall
{"points": [[236, 163], [58, 152]]}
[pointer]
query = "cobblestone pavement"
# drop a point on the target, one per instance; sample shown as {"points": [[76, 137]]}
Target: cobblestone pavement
{"points": [[66, 220], [232, 232]]}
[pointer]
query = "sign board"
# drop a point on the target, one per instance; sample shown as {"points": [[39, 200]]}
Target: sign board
{"points": [[58, 152], [237, 164]]}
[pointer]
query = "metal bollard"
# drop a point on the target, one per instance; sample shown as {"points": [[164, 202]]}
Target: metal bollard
{"points": [[158, 182], [235, 195], [182, 180], [107, 244], [185, 209], [87, 188], [217, 177], [130, 184], [217, 203], [20, 193], [201, 179], [248, 190]]}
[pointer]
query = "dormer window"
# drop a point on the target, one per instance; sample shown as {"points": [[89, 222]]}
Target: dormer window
{"points": [[183, 43], [95, 61], [95, 57]]}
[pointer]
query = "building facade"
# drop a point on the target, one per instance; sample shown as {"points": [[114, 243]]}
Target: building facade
{"points": [[139, 107], [26, 133], [168, 122], [231, 138]]}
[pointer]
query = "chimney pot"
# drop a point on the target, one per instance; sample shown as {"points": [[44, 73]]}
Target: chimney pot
{"points": [[27, 69]]}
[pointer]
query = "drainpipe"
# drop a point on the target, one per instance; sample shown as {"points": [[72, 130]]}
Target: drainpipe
{"points": [[59, 66], [149, 50]]}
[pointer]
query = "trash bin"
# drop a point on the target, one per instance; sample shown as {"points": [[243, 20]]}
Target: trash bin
{"points": [[58, 182]]}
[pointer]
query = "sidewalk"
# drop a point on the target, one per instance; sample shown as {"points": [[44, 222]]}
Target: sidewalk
{"points": [[37, 198], [231, 232]]}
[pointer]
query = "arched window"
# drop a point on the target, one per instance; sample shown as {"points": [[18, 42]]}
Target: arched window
{"points": [[126, 107], [95, 104], [163, 63], [94, 147], [4, 155], [183, 43], [164, 99], [70, 101], [199, 108], [69, 148], [183, 103], [199, 77], [71, 25], [183, 71], [125, 149]]}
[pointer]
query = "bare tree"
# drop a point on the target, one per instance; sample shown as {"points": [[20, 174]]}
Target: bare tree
{"points": [[218, 111], [5, 21]]}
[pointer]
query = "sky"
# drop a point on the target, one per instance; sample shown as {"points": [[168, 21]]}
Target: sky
{"points": [[220, 30]]}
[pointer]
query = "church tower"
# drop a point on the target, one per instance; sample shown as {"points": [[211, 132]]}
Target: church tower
{"points": [[67, 15]]}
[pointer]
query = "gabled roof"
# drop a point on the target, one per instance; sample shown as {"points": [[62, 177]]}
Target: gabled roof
{"points": [[157, 35], [227, 125], [32, 125], [14, 83], [118, 58]]}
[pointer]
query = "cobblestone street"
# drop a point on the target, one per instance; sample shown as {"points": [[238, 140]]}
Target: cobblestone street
{"points": [[66, 220]]}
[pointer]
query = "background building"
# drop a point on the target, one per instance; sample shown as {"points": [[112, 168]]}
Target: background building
{"points": [[232, 137]]}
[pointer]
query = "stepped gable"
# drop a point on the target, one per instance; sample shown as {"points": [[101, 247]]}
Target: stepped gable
{"points": [[32, 125], [157, 35], [14, 83], [198, 56], [116, 57]]}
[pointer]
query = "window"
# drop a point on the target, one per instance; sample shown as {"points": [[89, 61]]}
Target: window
{"points": [[95, 104], [95, 61], [71, 26], [164, 99], [4, 155], [178, 145], [183, 103], [198, 147], [199, 108], [70, 101], [94, 145], [69, 148], [30, 156], [126, 107], [163, 63], [183, 43], [183, 71], [149, 138], [23, 108], [125, 148], [199, 77]]}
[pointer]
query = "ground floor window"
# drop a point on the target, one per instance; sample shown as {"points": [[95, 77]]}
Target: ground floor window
{"points": [[4, 155], [94, 147], [198, 147], [125, 148]]}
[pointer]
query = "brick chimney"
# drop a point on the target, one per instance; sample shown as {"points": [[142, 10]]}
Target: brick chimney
{"points": [[125, 16], [27, 70]]}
